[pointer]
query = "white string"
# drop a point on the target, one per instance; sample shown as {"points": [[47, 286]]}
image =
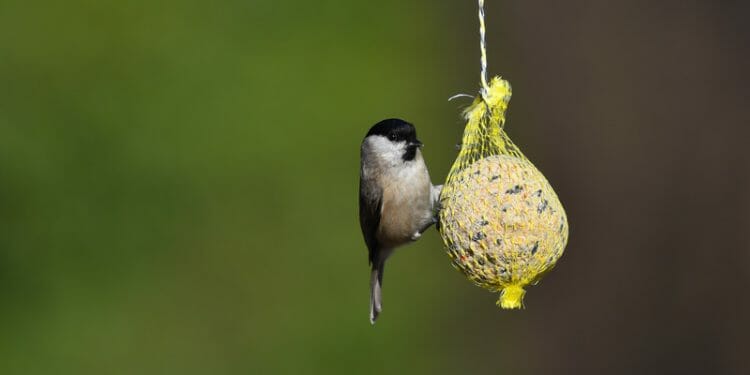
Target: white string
{"points": [[484, 90], [460, 96], [483, 46]]}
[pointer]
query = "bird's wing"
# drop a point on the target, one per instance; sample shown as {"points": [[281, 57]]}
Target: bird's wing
{"points": [[370, 205]]}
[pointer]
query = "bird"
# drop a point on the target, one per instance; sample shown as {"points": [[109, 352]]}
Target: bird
{"points": [[397, 201]]}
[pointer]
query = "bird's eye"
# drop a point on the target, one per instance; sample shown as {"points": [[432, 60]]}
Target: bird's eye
{"points": [[393, 137]]}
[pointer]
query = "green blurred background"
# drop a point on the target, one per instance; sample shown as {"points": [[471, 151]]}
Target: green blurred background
{"points": [[178, 186]]}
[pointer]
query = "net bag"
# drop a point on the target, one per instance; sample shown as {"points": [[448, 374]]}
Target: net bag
{"points": [[501, 221]]}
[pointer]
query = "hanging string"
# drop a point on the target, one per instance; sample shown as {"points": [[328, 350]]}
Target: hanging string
{"points": [[484, 90], [483, 46]]}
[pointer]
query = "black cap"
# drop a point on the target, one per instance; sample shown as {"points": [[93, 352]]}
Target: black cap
{"points": [[396, 130]]}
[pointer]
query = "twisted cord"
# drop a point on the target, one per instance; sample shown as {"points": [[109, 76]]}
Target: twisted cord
{"points": [[483, 46]]}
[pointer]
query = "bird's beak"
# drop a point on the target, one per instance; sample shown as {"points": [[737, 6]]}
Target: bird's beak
{"points": [[416, 143]]}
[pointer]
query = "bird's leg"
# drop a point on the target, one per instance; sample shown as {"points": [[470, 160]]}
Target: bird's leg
{"points": [[437, 220], [435, 194], [426, 226], [435, 198]]}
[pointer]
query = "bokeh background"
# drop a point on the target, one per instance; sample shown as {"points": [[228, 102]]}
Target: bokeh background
{"points": [[178, 186]]}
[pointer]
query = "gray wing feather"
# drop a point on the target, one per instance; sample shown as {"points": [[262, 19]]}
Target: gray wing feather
{"points": [[370, 204]]}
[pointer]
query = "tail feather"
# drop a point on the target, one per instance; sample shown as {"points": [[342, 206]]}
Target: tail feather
{"points": [[376, 296]]}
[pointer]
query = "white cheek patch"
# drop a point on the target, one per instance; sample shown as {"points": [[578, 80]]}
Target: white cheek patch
{"points": [[389, 152]]}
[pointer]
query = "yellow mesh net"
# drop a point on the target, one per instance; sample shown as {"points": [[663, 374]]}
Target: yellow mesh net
{"points": [[501, 222]]}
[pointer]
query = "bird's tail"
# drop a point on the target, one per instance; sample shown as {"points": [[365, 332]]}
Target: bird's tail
{"points": [[376, 285]]}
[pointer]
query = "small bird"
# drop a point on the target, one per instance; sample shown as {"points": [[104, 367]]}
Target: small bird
{"points": [[397, 201]]}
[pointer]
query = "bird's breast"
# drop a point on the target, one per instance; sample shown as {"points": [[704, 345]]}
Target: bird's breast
{"points": [[407, 205]]}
